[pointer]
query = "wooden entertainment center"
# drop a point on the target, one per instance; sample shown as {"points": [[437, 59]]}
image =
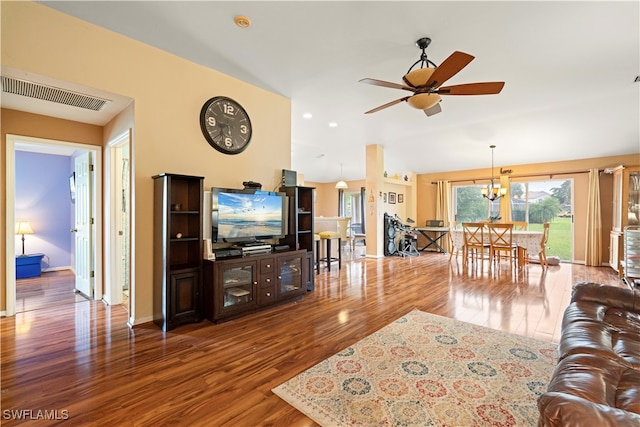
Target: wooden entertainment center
{"points": [[188, 289]]}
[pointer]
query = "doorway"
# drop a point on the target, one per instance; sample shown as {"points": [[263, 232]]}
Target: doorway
{"points": [[92, 204], [119, 269]]}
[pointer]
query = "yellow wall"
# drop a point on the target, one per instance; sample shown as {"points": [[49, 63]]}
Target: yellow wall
{"points": [[168, 93], [327, 195]]}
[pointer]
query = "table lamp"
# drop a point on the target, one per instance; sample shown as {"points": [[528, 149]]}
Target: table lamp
{"points": [[23, 227]]}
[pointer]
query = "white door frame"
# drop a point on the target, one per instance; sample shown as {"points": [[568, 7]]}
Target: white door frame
{"points": [[10, 180], [113, 292]]}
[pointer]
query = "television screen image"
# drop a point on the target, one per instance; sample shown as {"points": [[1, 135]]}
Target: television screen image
{"points": [[241, 216]]}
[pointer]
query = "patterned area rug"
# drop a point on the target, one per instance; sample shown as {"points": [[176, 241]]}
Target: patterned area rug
{"points": [[427, 370]]}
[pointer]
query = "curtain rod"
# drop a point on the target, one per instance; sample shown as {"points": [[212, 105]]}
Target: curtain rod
{"points": [[551, 175]]}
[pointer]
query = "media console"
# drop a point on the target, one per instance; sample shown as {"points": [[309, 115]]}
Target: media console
{"points": [[237, 286]]}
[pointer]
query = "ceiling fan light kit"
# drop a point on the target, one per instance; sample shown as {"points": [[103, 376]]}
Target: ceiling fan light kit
{"points": [[423, 101], [426, 82]]}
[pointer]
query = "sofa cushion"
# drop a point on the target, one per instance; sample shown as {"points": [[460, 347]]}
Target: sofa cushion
{"points": [[596, 328], [588, 390]]}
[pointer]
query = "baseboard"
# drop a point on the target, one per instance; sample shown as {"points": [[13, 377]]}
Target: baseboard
{"points": [[3, 313], [136, 322], [45, 270]]}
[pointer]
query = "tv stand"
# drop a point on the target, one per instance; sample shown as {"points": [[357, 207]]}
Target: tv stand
{"points": [[235, 287]]}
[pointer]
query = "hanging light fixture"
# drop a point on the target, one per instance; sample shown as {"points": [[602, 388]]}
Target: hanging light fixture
{"points": [[341, 184], [493, 190]]}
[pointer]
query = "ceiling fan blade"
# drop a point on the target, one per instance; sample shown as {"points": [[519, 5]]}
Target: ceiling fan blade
{"points": [[386, 84], [485, 88], [388, 104], [432, 110], [449, 68]]}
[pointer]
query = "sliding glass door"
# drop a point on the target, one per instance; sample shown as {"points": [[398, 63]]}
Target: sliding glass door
{"points": [[534, 202]]}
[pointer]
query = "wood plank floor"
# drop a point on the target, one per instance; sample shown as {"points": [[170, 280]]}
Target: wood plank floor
{"points": [[81, 357]]}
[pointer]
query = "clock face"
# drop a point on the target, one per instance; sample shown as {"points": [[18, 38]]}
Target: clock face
{"points": [[225, 125]]}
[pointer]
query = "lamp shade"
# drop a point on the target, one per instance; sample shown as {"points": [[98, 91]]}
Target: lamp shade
{"points": [[23, 227], [341, 184]]}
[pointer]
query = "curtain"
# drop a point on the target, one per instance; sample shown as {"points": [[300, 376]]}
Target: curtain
{"points": [[340, 202], [443, 208], [505, 201], [593, 249]]}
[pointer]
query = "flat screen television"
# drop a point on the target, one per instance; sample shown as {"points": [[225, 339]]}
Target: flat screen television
{"points": [[243, 216]]}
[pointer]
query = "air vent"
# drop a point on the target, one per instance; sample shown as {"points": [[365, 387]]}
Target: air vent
{"points": [[53, 94]]}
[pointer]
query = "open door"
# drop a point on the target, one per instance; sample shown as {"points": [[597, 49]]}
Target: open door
{"points": [[83, 225]]}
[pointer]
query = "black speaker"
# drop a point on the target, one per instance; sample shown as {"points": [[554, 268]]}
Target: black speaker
{"points": [[389, 235]]}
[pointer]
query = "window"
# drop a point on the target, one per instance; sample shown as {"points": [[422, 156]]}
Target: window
{"points": [[535, 202], [470, 206]]}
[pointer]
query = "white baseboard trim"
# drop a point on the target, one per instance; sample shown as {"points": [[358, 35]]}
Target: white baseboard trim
{"points": [[3, 313], [44, 270], [136, 322]]}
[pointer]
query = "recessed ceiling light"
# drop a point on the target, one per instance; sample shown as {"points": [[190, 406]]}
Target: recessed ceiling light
{"points": [[333, 125], [307, 115], [242, 21]]}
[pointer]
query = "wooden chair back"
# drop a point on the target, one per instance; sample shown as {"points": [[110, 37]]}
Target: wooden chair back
{"points": [[501, 236], [473, 233]]}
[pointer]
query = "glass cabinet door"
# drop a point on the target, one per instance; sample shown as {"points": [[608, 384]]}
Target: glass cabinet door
{"points": [[238, 285], [290, 275]]}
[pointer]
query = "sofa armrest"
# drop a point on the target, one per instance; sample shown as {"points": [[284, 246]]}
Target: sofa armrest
{"points": [[611, 296]]}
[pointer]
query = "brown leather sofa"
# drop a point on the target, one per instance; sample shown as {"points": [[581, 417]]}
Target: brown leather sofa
{"points": [[597, 379]]}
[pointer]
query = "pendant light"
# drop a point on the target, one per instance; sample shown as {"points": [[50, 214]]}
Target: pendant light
{"points": [[341, 184], [493, 190]]}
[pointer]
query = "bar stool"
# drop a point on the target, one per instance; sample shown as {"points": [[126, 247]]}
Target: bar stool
{"points": [[328, 236]]}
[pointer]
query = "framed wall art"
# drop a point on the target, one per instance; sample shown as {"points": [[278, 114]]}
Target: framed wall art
{"points": [[392, 198]]}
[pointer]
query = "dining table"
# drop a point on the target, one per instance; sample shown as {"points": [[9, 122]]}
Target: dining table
{"points": [[527, 239]]}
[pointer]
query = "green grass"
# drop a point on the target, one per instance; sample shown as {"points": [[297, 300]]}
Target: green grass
{"points": [[560, 241]]}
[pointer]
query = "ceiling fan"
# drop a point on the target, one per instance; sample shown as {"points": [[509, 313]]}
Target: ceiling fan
{"points": [[426, 83]]}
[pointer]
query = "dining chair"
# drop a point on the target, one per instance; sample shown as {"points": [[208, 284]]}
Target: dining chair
{"points": [[452, 247], [520, 225], [523, 254], [542, 255], [501, 241], [473, 233], [358, 235]]}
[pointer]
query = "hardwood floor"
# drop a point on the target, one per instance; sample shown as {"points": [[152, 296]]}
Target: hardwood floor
{"points": [[80, 358]]}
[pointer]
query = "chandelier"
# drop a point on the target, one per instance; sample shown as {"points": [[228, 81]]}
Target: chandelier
{"points": [[493, 190]]}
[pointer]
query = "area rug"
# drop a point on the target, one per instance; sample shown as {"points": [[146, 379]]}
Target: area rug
{"points": [[427, 370]]}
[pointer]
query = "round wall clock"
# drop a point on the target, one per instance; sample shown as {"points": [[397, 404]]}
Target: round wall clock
{"points": [[225, 125]]}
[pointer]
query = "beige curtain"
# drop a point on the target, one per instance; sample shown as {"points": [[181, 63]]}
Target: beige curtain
{"points": [[505, 201], [443, 208], [593, 250]]}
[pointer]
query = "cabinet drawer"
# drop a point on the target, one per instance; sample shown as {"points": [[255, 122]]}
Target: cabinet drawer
{"points": [[266, 280], [266, 296], [266, 266]]}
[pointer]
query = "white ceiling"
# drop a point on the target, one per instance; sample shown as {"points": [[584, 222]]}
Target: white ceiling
{"points": [[569, 69]]}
